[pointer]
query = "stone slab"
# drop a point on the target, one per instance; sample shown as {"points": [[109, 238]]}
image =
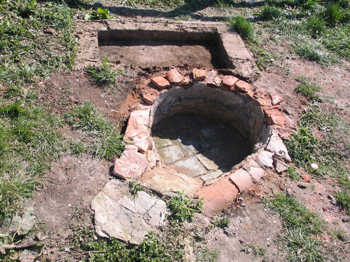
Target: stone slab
{"points": [[167, 181], [211, 176], [218, 196], [171, 154], [241, 179], [162, 142], [190, 166], [277, 147], [207, 163], [125, 217]]}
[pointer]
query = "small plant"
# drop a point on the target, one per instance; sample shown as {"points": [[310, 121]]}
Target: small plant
{"points": [[307, 89], [254, 249], [293, 174], [97, 14], [222, 222], [242, 27], [102, 75], [333, 14], [134, 188], [270, 13], [182, 209], [315, 26], [343, 200]]}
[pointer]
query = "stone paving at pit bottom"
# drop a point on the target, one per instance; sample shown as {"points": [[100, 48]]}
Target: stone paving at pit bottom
{"points": [[199, 147]]}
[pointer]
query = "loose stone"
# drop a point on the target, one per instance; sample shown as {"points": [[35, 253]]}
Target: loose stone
{"points": [[264, 159], [199, 74], [160, 82], [229, 81], [174, 76]]}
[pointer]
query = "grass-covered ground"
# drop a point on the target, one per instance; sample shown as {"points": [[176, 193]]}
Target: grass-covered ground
{"points": [[37, 39]]}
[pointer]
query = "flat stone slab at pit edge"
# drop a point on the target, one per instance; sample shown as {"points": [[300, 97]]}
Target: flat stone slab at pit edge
{"points": [[123, 216]]}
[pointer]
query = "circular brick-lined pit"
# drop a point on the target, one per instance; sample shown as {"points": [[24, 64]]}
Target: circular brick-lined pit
{"points": [[204, 134]]}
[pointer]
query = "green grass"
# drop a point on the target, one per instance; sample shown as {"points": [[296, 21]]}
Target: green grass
{"points": [[29, 142], [182, 208], [307, 89], [300, 229], [35, 40], [316, 30], [243, 27], [102, 137]]}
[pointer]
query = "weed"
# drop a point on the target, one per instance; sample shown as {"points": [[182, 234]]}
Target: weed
{"points": [[107, 143], [293, 174], [270, 13], [301, 226], [333, 14], [307, 51], [254, 249], [134, 188], [307, 89], [302, 146], [102, 75], [243, 27], [263, 57], [13, 91], [343, 200], [182, 209], [222, 222], [97, 14], [315, 26]]}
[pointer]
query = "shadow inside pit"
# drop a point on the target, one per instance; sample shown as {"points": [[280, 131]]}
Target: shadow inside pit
{"points": [[198, 136]]}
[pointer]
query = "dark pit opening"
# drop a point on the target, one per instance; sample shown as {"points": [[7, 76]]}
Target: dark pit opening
{"points": [[149, 48], [201, 129], [200, 137]]}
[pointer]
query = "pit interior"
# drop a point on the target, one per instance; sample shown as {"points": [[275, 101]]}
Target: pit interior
{"points": [[202, 130], [149, 48]]}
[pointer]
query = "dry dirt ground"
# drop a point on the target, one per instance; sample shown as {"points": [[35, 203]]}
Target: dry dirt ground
{"points": [[63, 202]]}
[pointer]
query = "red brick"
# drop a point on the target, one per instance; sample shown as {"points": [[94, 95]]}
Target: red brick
{"points": [[229, 81], [242, 180], [160, 82], [276, 99], [306, 177], [199, 74], [174, 76], [218, 196], [276, 117], [244, 86], [149, 95]]}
